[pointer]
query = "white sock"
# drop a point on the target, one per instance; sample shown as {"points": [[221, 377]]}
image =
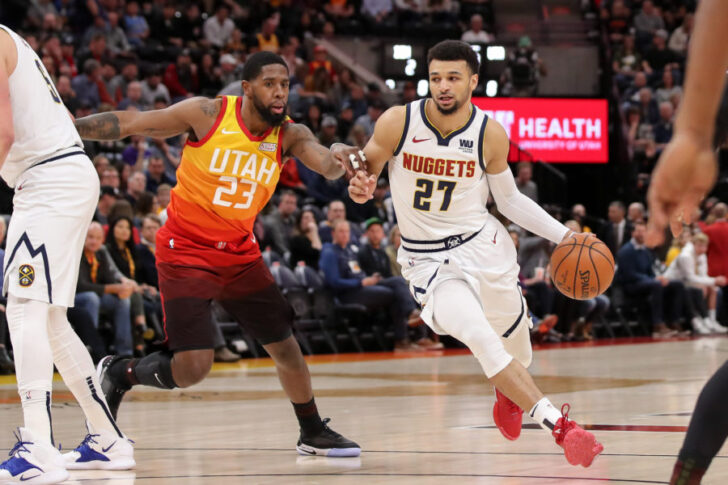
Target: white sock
{"points": [[711, 314], [27, 322], [545, 414], [77, 369]]}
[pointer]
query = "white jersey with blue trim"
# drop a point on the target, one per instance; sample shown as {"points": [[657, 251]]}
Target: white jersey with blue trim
{"points": [[43, 127], [438, 183]]}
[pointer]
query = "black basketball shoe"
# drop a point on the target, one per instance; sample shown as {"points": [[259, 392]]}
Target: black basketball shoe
{"points": [[111, 387], [327, 443]]}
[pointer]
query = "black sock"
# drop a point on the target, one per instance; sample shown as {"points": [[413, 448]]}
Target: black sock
{"points": [[154, 370], [709, 424], [308, 417]]}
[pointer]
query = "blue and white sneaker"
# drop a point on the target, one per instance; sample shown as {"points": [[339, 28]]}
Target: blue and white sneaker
{"points": [[32, 462], [101, 451], [327, 443]]}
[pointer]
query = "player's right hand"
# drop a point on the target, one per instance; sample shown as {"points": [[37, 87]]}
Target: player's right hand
{"points": [[683, 176], [361, 187]]}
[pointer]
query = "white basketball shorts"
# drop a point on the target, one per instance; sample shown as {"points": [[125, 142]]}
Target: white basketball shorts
{"points": [[54, 202]]}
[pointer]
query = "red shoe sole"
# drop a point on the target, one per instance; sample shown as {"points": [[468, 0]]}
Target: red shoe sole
{"points": [[580, 447], [502, 429]]}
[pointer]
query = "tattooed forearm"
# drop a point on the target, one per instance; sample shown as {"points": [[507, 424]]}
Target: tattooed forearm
{"points": [[103, 126]]}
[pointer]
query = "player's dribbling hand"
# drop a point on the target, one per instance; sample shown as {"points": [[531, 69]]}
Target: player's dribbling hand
{"points": [[361, 187], [351, 159], [684, 174]]}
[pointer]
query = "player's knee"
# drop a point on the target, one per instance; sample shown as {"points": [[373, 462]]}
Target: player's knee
{"points": [[286, 354], [191, 367]]}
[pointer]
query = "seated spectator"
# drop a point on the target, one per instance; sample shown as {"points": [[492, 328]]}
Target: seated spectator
{"points": [[156, 174], [267, 38], [146, 205], [133, 97], [136, 186], [523, 70], [337, 210], [368, 120], [637, 277], [67, 94], [86, 85], [377, 12], [648, 21], [476, 34], [678, 42], [626, 62], [668, 90], [107, 198], [120, 82], [717, 233], [691, 267], [163, 194], [617, 230], [663, 128], [339, 9], [181, 77], [327, 136], [115, 37], [146, 268], [321, 59], [305, 244], [658, 57], [635, 213], [218, 28], [618, 20], [524, 182], [110, 177], [345, 278], [282, 221], [137, 29], [99, 290], [121, 248], [152, 88], [395, 241], [647, 106]]}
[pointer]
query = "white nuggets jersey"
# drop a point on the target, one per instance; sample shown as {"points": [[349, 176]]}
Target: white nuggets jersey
{"points": [[438, 183], [41, 122]]}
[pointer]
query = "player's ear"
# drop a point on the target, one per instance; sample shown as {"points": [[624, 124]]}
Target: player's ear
{"points": [[246, 87], [473, 82]]}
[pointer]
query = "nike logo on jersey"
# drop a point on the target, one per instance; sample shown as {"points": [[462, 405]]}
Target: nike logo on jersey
{"points": [[415, 140], [225, 132], [110, 446]]}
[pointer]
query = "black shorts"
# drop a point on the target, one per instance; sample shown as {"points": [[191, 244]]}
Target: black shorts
{"points": [[247, 292]]}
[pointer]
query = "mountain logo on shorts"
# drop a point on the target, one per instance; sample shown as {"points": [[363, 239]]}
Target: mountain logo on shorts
{"points": [[26, 275]]}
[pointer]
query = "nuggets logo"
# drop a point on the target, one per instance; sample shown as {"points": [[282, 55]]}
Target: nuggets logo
{"points": [[26, 275]]}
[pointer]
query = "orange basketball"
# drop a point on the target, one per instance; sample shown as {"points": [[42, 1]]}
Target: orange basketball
{"points": [[582, 267]]}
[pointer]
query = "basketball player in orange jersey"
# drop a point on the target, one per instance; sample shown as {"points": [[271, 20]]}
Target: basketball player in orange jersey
{"points": [[444, 156], [684, 174], [207, 251]]}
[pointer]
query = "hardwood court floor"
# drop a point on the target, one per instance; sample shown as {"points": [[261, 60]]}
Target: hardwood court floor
{"points": [[422, 420]]}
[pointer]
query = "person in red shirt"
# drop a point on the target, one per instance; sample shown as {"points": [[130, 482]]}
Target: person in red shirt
{"points": [[718, 234]]}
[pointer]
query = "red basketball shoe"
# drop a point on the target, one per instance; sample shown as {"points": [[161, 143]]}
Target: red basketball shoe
{"points": [[580, 446], [507, 416]]}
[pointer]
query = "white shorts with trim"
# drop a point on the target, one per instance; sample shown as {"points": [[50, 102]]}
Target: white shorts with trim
{"points": [[487, 263], [53, 206]]}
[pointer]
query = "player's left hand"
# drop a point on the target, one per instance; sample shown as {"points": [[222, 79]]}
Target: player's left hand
{"points": [[361, 187], [684, 174], [351, 159]]}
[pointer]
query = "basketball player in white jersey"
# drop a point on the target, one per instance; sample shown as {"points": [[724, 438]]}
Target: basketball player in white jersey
{"points": [[444, 154], [56, 191]]}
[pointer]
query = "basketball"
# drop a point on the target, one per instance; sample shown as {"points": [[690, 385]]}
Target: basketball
{"points": [[582, 267]]}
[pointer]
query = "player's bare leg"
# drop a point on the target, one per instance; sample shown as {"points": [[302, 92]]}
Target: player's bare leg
{"points": [[316, 437]]}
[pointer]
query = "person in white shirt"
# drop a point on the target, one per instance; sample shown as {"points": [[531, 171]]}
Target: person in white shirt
{"points": [[476, 32], [691, 267], [219, 28]]}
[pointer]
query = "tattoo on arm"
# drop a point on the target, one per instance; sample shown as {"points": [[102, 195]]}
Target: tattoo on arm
{"points": [[103, 126], [210, 107]]}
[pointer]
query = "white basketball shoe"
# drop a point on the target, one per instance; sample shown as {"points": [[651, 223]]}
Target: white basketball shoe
{"points": [[32, 462], [101, 451]]}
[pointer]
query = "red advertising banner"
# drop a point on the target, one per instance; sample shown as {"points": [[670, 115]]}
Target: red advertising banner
{"points": [[553, 130]]}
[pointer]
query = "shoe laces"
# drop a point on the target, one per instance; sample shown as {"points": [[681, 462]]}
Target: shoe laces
{"points": [[88, 441], [563, 425], [19, 447]]}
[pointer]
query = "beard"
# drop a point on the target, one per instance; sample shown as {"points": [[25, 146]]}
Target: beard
{"points": [[268, 116], [448, 111]]}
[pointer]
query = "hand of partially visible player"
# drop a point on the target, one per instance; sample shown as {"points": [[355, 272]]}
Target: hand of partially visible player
{"points": [[351, 159], [683, 176], [361, 187], [721, 280]]}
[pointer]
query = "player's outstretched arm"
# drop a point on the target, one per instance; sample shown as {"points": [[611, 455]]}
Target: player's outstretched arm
{"points": [[380, 148], [332, 163], [7, 132], [510, 201], [196, 114], [687, 168]]}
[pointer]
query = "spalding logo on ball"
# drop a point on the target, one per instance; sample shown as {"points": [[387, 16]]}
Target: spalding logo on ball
{"points": [[582, 267]]}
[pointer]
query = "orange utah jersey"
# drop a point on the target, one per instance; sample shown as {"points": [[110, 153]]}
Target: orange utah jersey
{"points": [[223, 182]]}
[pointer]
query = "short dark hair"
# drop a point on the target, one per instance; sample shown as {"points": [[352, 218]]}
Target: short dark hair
{"points": [[255, 63], [454, 50]]}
